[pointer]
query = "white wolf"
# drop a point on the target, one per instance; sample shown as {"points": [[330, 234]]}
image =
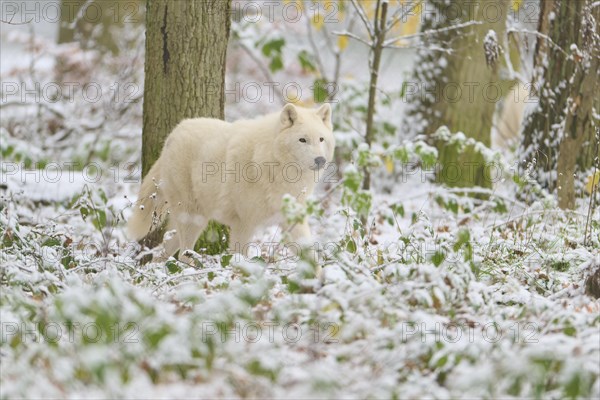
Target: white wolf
{"points": [[235, 173]]}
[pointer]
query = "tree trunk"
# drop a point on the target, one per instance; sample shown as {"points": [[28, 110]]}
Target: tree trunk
{"points": [[460, 89], [92, 23], [186, 45], [376, 50], [559, 133], [69, 10]]}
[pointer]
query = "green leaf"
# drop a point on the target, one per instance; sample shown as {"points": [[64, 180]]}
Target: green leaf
{"points": [[464, 236], [84, 212], [362, 203], [154, 337], [351, 246], [438, 258], [427, 154], [401, 154], [403, 89], [258, 259], [442, 361], [51, 242], [500, 206], [388, 128], [273, 50], [256, 368], [8, 151], [68, 262], [306, 62], [172, 267], [572, 388], [213, 240], [570, 331], [273, 47], [276, 64], [320, 91], [464, 241], [103, 196], [100, 220], [226, 259], [293, 286], [452, 205], [398, 209]]}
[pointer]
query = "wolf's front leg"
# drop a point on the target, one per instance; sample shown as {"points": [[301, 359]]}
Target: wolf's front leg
{"points": [[300, 234], [301, 242]]}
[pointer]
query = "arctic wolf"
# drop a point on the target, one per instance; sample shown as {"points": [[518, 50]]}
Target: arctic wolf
{"points": [[235, 173]]}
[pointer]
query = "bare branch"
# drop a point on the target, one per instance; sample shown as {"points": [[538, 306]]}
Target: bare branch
{"points": [[15, 23], [376, 23], [540, 35], [420, 46], [327, 35], [314, 47], [389, 42], [353, 36], [363, 17], [80, 14], [396, 17], [261, 66]]}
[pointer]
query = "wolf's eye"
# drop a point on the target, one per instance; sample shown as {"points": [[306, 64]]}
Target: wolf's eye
{"points": [[322, 140], [302, 140]]}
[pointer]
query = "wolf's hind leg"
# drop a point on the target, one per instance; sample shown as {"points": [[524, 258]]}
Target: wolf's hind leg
{"points": [[189, 228]]}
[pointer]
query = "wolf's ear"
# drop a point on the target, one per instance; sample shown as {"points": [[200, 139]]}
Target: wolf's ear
{"points": [[289, 115], [325, 113]]}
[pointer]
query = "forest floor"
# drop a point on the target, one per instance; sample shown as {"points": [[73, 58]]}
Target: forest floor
{"points": [[442, 295]]}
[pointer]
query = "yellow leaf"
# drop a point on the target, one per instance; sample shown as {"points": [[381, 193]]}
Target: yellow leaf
{"points": [[369, 7], [411, 25], [593, 182], [516, 4], [410, 22], [297, 3], [333, 306], [317, 21], [389, 164], [342, 42]]}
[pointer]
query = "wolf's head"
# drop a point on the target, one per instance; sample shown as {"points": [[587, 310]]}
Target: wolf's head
{"points": [[305, 136]]}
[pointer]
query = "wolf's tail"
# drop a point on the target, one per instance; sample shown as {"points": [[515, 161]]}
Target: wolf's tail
{"points": [[147, 210]]}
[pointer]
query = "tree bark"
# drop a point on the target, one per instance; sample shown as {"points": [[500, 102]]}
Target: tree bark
{"points": [[186, 45], [559, 134], [460, 89]]}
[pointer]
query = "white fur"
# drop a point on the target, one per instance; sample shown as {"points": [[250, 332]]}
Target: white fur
{"points": [[506, 133], [190, 181]]}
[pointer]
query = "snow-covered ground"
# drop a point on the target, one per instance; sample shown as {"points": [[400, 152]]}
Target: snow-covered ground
{"points": [[442, 296], [81, 317]]}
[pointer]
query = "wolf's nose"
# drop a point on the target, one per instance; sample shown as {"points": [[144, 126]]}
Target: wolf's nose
{"points": [[320, 161]]}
